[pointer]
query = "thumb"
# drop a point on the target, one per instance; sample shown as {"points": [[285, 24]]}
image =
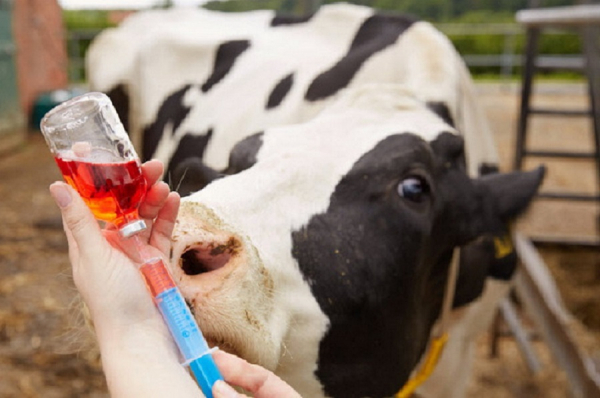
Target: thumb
{"points": [[77, 218]]}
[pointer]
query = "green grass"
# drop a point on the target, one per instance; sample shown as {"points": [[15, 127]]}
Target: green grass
{"points": [[551, 77]]}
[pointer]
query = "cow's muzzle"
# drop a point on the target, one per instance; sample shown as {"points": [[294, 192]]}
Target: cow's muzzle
{"points": [[225, 283], [207, 254]]}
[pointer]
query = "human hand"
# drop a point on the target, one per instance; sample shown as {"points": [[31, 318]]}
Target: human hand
{"points": [[139, 357], [104, 270], [257, 380]]}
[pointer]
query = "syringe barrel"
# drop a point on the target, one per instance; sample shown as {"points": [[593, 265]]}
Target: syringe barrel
{"points": [[181, 324]]}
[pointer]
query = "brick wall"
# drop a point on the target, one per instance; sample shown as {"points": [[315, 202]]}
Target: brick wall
{"points": [[117, 16], [41, 59]]}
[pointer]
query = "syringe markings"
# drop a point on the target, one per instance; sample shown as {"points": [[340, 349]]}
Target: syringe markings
{"points": [[157, 277], [181, 323]]}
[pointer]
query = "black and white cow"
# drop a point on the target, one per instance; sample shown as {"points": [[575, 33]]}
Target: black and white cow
{"points": [[331, 158]]}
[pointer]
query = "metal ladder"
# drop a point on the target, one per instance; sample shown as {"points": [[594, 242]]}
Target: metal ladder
{"points": [[586, 20]]}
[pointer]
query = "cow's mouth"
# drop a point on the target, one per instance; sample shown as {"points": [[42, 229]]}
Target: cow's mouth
{"points": [[203, 258]]}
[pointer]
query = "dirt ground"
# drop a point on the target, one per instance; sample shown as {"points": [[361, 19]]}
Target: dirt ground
{"points": [[576, 269], [38, 344]]}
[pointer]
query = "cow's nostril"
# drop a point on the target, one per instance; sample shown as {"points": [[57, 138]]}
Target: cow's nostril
{"points": [[199, 260], [191, 265]]}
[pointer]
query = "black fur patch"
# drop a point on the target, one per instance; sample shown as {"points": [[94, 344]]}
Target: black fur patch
{"points": [[482, 259], [440, 109], [280, 91], [190, 146], [375, 34], [227, 53], [120, 99], [284, 20], [171, 111], [243, 154], [192, 175], [488, 168]]}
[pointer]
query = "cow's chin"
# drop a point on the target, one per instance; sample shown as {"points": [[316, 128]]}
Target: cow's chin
{"points": [[246, 344], [226, 285], [237, 330]]}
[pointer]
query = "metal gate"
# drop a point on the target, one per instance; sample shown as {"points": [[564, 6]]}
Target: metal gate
{"points": [[10, 113]]}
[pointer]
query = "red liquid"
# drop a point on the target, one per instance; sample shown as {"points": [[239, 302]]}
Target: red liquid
{"points": [[157, 277], [113, 191]]}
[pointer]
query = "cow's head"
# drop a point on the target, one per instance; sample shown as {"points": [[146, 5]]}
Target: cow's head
{"points": [[326, 259]]}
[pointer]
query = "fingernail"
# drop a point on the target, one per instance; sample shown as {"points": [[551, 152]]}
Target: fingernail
{"points": [[61, 194], [222, 389]]}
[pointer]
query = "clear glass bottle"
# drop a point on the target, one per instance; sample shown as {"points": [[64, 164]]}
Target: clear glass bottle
{"points": [[96, 157]]}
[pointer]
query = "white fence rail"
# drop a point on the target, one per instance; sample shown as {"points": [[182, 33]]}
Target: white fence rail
{"points": [[539, 294], [506, 60]]}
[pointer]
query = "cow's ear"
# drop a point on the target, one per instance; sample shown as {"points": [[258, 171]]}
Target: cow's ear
{"points": [[448, 146], [512, 192], [192, 175]]}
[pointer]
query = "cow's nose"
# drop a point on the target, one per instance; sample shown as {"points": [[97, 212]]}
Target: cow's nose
{"points": [[206, 257]]}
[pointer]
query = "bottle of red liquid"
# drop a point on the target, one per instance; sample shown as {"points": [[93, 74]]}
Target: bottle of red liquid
{"points": [[96, 157]]}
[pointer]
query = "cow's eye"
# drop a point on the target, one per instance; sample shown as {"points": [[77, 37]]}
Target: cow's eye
{"points": [[415, 189]]}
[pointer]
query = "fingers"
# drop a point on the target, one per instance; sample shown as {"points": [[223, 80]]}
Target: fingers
{"points": [[152, 171], [154, 201], [260, 382], [79, 223], [164, 223], [155, 196]]}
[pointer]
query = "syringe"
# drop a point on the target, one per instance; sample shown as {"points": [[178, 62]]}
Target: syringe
{"points": [[179, 320]]}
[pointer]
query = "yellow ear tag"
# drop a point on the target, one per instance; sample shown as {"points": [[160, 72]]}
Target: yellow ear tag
{"points": [[503, 246]]}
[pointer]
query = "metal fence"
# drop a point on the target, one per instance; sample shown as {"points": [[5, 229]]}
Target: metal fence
{"points": [[510, 57], [77, 43], [506, 61]]}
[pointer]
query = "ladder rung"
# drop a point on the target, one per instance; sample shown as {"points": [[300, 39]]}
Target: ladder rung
{"points": [[566, 240], [559, 112], [573, 63], [568, 155], [569, 196]]}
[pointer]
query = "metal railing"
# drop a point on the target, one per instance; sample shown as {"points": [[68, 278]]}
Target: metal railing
{"points": [[543, 303], [77, 42], [506, 60]]}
